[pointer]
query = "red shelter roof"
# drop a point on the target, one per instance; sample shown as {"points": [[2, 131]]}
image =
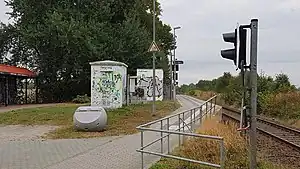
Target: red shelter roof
{"points": [[16, 71]]}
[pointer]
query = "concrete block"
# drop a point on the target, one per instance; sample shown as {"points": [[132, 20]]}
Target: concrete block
{"points": [[90, 118]]}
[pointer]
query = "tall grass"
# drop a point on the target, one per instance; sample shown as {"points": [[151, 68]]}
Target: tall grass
{"points": [[236, 151], [209, 150]]}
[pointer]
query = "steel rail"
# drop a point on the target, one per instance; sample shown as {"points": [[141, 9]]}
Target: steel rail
{"points": [[267, 122]]}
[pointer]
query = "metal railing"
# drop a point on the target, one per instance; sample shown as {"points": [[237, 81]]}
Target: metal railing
{"points": [[181, 127]]}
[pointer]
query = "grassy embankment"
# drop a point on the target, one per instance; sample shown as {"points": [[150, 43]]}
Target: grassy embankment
{"points": [[283, 107], [209, 151], [120, 121]]}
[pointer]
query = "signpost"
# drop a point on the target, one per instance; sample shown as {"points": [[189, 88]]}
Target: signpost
{"points": [[153, 48], [178, 62], [253, 103]]}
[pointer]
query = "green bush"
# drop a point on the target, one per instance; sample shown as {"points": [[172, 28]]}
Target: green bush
{"points": [[81, 99], [282, 105], [192, 93], [277, 97]]}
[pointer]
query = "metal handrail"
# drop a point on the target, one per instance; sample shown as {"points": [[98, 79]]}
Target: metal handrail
{"points": [[143, 128], [180, 131], [187, 134], [173, 115]]}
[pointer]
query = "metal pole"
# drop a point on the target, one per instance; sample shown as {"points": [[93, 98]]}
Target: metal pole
{"points": [[215, 104], [127, 89], [161, 140], [222, 154], [142, 145], [171, 77], [179, 129], [211, 106], [253, 73], [153, 78], [206, 109], [6, 91], [183, 125], [174, 77], [25, 90], [243, 122], [192, 119], [36, 90], [201, 115], [168, 124]]}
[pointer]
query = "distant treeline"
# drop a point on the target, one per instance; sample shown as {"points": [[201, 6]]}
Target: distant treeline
{"points": [[276, 96]]}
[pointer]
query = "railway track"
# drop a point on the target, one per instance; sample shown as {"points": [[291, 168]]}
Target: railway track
{"points": [[281, 132]]}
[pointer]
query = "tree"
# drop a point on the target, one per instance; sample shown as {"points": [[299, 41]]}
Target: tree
{"points": [[183, 89], [59, 38], [282, 83], [223, 81]]}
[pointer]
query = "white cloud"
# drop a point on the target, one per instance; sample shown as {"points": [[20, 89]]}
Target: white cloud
{"points": [[288, 5]]}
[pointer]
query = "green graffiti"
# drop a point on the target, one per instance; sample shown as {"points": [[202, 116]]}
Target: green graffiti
{"points": [[109, 84]]}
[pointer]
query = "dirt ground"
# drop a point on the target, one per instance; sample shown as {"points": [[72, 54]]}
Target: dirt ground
{"points": [[21, 132]]}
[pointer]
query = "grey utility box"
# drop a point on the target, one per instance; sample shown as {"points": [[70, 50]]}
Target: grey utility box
{"points": [[90, 118]]}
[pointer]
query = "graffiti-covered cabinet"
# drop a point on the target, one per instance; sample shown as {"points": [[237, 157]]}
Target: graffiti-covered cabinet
{"points": [[108, 84], [145, 85]]}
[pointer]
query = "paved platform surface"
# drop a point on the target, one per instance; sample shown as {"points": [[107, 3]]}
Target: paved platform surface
{"points": [[98, 153], [23, 132]]}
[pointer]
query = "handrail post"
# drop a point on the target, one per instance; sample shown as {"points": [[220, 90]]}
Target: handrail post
{"points": [[211, 106], [215, 104], [206, 109], [161, 135], [191, 114], [179, 129], [195, 116], [168, 124], [142, 145], [183, 125], [222, 154], [201, 116]]}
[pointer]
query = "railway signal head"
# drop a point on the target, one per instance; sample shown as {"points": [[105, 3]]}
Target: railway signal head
{"points": [[238, 53], [230, 54], [242, 47]]}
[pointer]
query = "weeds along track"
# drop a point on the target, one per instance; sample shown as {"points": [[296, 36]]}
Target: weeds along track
{"points": [[275, 130]]}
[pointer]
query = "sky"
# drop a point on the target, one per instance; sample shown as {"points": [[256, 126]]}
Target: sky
{"points": [[3, 10], [204, 21]]}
